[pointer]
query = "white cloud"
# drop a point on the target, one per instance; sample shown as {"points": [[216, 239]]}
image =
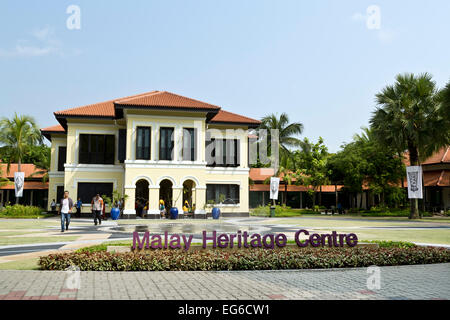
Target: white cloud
{"points": [[43, 43]]}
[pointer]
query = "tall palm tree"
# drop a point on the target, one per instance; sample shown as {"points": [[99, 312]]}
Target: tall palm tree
{"points": [[17, 134], [409, 117], [287, 133]]}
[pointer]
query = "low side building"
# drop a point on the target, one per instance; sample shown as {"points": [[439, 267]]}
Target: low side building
{"points": [[35, 191]]}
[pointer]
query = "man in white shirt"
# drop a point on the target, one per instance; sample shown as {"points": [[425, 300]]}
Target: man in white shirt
{"points": [[65, 208], [97, 208]]}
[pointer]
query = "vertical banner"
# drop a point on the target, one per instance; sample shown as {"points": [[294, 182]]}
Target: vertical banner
{"points": [[414, 177], [19, 178], [274, 185]]}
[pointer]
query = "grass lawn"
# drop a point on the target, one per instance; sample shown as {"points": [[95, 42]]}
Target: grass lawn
{"points": [[290, 212], [6, 241], [438, 236], [25, 264]]}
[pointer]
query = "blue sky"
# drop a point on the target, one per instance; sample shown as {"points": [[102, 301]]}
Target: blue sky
{"points": [[317, 61]]}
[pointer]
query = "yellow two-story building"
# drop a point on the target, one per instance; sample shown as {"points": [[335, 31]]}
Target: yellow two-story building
{"points": [[152, 146]]}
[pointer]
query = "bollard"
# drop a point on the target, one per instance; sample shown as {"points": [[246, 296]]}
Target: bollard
{"points": [[272, 211]]}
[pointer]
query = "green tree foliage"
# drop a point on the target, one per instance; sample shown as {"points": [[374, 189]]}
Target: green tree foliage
{"points": [[366, 161], [412, 115], [17, 135], [288, 133], [312, 161]]}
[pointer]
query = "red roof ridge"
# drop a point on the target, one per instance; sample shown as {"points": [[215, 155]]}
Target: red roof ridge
{"points": [[440, 178], [201, 103], [445, 154], [119, 100]]}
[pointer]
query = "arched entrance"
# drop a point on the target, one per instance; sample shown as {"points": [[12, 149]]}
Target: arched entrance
{"points": [[189, 192], [141, 196], [165, 192]]}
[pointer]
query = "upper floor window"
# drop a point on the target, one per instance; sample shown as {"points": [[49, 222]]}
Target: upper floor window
{"points": [[189, 144], [166, 143], [61, 158], [96, 149], [143, 143], [222, 153]]}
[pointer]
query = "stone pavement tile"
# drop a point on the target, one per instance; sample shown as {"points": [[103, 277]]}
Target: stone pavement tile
{"points": [[49, 298]]}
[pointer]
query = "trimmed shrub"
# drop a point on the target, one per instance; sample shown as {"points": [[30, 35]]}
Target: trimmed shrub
{"points": [[392, 244], [251, 259], [280, 211], [19, 210]]}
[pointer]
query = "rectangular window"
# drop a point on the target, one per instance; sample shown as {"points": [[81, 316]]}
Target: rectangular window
{"points": [[166, 144], [189, 144], [122, 152], [223, 193], [225, 153], [88, 190], [96, 149], [61, 158], [143, 143]]}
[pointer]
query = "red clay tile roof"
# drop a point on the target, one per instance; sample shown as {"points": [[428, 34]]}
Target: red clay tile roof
{"points": [[35, 185], [260, 174], [101, 109], [229, 117], [148, 99], [28, 168], [56, 128], [436, 178], [441, 156], [165, 99]]}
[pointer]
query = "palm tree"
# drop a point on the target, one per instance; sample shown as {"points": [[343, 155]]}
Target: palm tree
{"points": [[287, 133], [43, 167], [17, 134], [3, 181], [409, 117]]}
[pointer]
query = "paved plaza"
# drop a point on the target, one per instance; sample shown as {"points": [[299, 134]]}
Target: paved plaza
{"points": [[397, 283], [22, 240]]}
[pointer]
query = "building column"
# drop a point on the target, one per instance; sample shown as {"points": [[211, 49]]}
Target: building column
{"points": [[177, 196], [200, 201], [129, 211], [194, 197], [31, 197], [153, 202]]}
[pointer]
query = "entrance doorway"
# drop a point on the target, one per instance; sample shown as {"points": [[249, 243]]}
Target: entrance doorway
{"points": [[165, 192], [189, 193], [141, 196]]}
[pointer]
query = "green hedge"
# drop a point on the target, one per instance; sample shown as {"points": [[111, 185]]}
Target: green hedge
{"points": [[250, 259], [280, 211], [20, 211]]}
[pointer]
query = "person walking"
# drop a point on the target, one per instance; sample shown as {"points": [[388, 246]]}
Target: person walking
{"points": [[97, 208], [78, 205], [162, 208], [53, 206], [65, 207]]}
